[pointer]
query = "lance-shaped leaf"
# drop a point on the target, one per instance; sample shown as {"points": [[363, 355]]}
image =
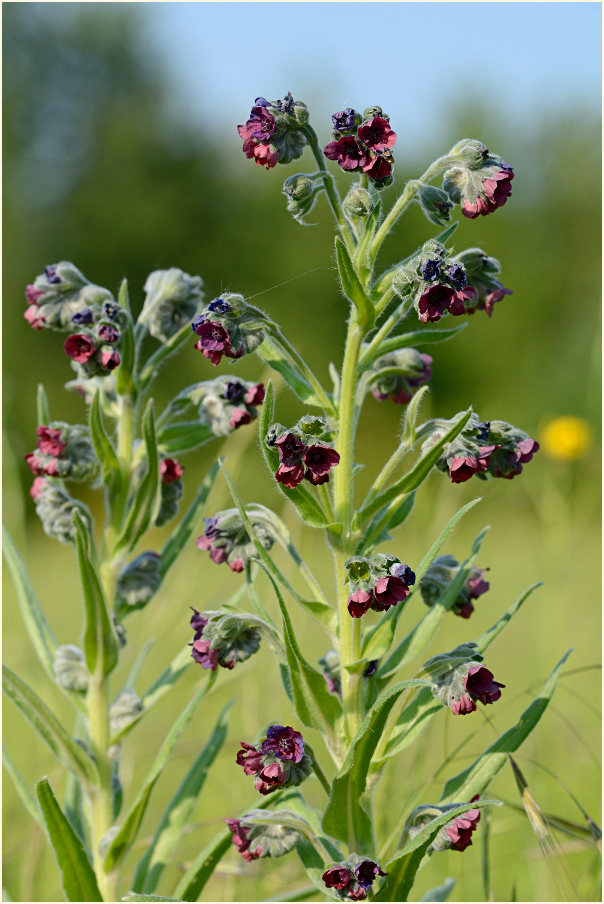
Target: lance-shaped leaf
{"points": [[48, 726], [345, 818], [100, 641], [315, 706], [178, 812], [309, 508], [186, 527], [414, 339], [145, 504], [378, 639], [403, 867], [275, 356], [385, 521], [22, 788], [323, 613], [194, 880], [132, 823], [79, 880], [112, 475], [42, 407], [38, 629], [415, 717], [313, 860], [352, 287], [417, 474], [479, 775], [124, 383], [133, 896], [183, 437], [421, 635], [441, 892]]}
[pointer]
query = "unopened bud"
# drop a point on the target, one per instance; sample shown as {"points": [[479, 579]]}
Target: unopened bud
{"points": [[173, 298], [358, 202], [70, 668], [435, 204], [137, 583], [125, 710]]}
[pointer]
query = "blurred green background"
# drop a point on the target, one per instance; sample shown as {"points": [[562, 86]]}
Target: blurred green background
{"points": [[104, 167]]}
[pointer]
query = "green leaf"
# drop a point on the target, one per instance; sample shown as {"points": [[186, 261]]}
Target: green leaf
{"points": [[145, 505], [410, 420], [183, 437], [421, 635], [100, 641], [477, 777], [124, 384], [112, 475], [402, 869], [38, 629], [186, 528], [178, 812], [309, 508], [132, 823], [132, 896], [352, 288], [323, 613], [378, 639], [414, 339], [194, 880], [417, 474], [385, 521], [315, 706], [48, 726], [441, 892], [22, 788], [79, 880], [42, 408], [345, 817], [272, 354]]}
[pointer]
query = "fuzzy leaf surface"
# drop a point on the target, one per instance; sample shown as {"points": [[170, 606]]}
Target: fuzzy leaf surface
{"points": [[352, 288], [272, 354]]}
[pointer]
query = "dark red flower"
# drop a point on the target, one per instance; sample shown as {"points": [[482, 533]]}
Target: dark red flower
{"points": [[49, 442], [213, 341], [378, 166], [359, 603], [204, 655], [377, 134], [241, 842], [337, 877], [462, 468], [464, 706], [434, 302], [457, 305], [497, 189], [250, 758], [388, 592], [527, 448], [79, 348], [320, 459], [366, 871], [255, 395], [477, 585], [260, 125], [481, 686], [170, 470], [290, 477], [269, 779], [348, 153], [460, 829], [284, 743]]}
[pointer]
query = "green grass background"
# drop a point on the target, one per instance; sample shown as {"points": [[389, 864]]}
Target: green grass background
{"points": [[138, 202]]}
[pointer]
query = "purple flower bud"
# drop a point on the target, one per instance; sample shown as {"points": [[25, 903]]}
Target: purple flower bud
{"points": [[49, 442], [366, 871], [234, 391], [51, 275], [371, 668], [108, 333], [345, 120], [461, 468], [204, 655], [219, 306], [430, 270], [456, 275], [284, 743], [255, 395], [476, 585], [83, 318], [402, 571]]}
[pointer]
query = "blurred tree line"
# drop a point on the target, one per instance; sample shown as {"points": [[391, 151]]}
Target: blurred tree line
{"points": [[99, 171]]}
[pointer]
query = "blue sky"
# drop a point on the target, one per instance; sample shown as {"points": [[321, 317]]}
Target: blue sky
{"points": [[414, 59]]}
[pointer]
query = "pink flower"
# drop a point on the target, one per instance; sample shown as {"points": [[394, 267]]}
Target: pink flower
{"points": [[49, 442], [239, 417], [255, 395], [497, 189], [79, 348], [460, 829], [33, 317], [348, 153]]}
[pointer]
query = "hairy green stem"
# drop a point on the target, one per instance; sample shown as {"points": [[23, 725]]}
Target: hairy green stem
{"points": [[297, 359], [330, 188], [372, 350]]}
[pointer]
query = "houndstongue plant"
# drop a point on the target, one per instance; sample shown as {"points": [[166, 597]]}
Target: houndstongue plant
{"points": [[371, 694]]}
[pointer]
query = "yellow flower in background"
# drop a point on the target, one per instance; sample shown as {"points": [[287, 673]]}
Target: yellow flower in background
{"points": [[566, 438]]}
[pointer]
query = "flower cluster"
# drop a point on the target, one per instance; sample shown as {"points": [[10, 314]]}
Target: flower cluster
{"points": [[363, 143], [64, 451], [439, 577], [456, 835], [482, 448], [278, 761], [399, 374], [228, 541], [55, 508], [481, 182], [460, 680], [172, 298], [377, 583], [171, 490], [351, 879], [300, 459], [437, 282], [60, 295], [272, 133], [228, 326], [222, 639], [254, 840], [223, 404], [137, 583]]}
